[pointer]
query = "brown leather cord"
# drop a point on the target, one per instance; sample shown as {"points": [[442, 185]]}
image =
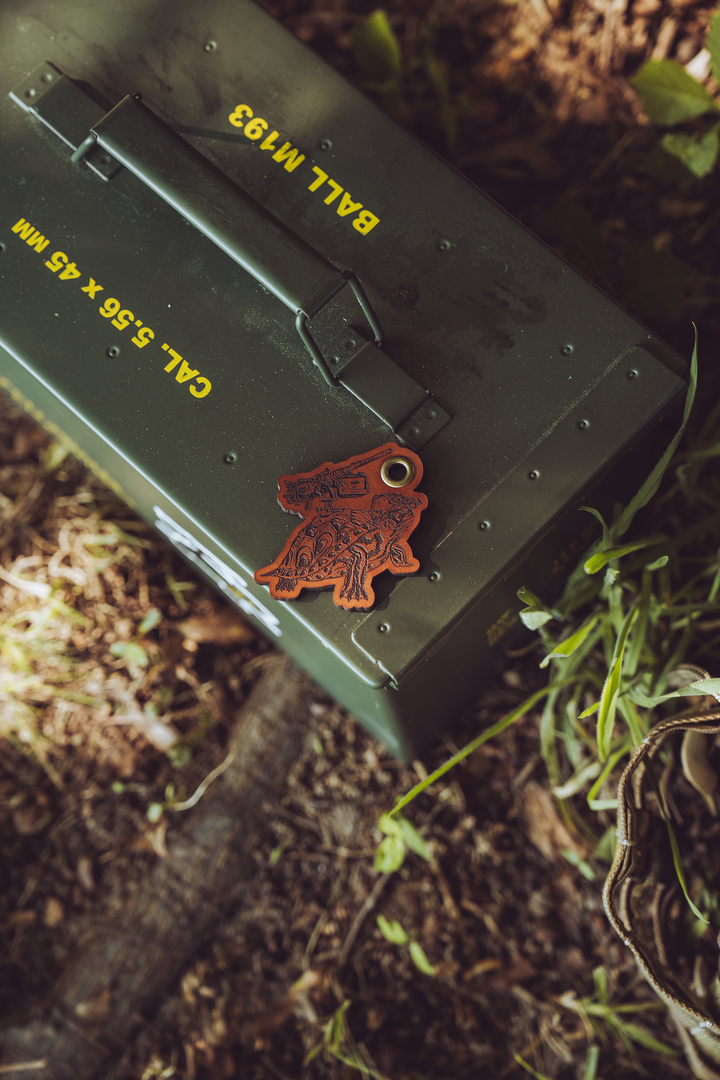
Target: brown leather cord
{"points": [[641, 885]]}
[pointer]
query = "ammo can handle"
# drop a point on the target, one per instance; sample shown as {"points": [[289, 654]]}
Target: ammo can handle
{"points": [[253, 237]]}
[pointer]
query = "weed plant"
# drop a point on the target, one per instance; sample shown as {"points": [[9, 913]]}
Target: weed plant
{"points": [[643, 600], [673, 98]]}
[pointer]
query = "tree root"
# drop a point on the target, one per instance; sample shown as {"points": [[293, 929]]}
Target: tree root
{"points": [[126, 968]]}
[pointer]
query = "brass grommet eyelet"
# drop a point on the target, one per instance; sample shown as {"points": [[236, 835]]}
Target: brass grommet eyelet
{"points": [[397, 481]]}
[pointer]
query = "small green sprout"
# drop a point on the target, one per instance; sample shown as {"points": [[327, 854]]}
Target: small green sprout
{"points": [[396, 935]]}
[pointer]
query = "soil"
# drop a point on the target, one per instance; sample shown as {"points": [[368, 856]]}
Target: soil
{"points": [[104, 734]]}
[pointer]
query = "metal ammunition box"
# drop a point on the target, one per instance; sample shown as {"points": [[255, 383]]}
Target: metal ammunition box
{"points": [[176, 307]]}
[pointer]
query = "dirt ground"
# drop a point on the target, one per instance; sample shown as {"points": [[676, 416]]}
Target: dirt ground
{"points": [[531, 101]]}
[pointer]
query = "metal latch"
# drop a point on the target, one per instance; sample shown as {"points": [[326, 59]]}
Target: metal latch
{"points": [[394, 396], [132, 135]]}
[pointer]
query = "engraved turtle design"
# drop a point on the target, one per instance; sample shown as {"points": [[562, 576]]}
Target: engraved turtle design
{"points": [[355, 528]]}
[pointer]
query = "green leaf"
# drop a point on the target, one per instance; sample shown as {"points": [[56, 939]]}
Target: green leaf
{"points": [[658, 564], [639, 637], [652, 483], [702, 686], [533, 620], [698, 153], [611, 689], [570, 644], [598, 517], [530, 599], [600, 980], [130, 650], [639, 1035], [390, 855], [584, 244], [154, 812], [529, 1068], [179, 755], [151, 619], [654, 282], [585, 772], [638, 695], [420, 959], [575, 860], [602, 558], [484, 737], [535, 614], [591, 1063], [636, 725], [392, 931], [389, 825], [313, 1053], [677, 860], [414, 840], [605, 847], [589, 711], [669, 94], [712, 44], [376, 48], [335, 1030], [665, 167]]}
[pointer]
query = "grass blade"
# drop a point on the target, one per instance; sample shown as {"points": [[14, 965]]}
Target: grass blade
{"points": [[611, 689], [602, 558], [486, 735], [591, 1063], [529, 1068], [652, 483], [677, 861], [609, 766], [570, 644], [640, 629], [639, 1035]]}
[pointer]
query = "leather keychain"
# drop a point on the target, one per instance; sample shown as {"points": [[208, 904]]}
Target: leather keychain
{"points": [[357, 516]]}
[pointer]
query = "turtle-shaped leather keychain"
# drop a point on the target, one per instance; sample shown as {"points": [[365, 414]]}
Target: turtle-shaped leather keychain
{"points": [[358, 514]]}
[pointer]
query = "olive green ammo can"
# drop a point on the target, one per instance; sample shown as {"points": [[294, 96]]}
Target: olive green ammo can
{"points": [[252, 271]]}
